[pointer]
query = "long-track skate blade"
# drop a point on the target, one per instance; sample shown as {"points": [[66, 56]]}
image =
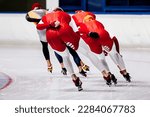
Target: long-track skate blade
{"points": [[80, 88]]}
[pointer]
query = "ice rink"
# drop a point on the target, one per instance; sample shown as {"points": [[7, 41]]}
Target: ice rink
{"points": [[30, 79]]}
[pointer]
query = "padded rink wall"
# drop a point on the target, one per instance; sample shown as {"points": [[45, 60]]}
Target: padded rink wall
{"points": [[131, 30]]}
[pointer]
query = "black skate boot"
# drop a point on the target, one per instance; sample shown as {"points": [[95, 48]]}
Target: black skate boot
{"points": [[114, 79], [108, 80], [64, 71], [127, 77], [83, 73], [78, 83], [80, 86]]}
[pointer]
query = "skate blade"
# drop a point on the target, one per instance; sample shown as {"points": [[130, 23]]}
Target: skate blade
{"points": [[115, 83], [109, 85], [128, 80], [80, 89]]}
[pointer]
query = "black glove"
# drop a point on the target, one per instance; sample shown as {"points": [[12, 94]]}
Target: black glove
{"points": [[93, 35]]}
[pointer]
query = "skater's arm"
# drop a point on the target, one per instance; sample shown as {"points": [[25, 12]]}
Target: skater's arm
{"points": [[41, 25], [53, 25], [84, 31]]}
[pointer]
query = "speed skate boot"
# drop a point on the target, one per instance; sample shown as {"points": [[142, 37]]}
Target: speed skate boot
{"points": [[108, 80], [114, 79], [64, 71], [78, 83], [50, 69], [126, 76], [86, 68], [83, 73]]}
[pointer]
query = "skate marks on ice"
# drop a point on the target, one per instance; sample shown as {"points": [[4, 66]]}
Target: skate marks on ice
{"points": [[5, 81], [33, 82], [62, 88], [95, 88]]}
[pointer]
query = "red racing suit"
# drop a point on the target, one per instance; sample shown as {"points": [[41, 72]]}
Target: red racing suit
{"points": [[95, 26], [57, 37], [95, 45], [78, 17]]}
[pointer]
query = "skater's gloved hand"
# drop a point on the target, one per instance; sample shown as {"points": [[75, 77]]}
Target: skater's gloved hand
{"points": [[55, 24], [50, 69], [93, 35]]}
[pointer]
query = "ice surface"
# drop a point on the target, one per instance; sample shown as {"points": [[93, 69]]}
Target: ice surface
{"points": [[27, 67]]}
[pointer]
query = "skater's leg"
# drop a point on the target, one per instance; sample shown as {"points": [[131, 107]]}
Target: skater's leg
{"points": [[66, 60], [83, 49], [68, 65], [118, 60], [46, 55], [100, 63], [75, 56], [77, 60], [60, 59], [97, 60]]}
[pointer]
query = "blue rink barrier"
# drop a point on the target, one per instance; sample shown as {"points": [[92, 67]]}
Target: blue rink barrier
{"points": [[107, 6]]}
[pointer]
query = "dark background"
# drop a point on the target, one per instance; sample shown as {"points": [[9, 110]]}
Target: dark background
{"points": [[101, 6], [18, 5]]}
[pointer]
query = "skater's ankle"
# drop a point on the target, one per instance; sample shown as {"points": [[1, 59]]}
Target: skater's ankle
{"points": [[74, 77], [123, 72], [80, 68], [49, 65], [106, 73]]}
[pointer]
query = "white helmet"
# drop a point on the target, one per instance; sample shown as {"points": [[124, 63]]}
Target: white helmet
{"points": [[58, 9]]}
